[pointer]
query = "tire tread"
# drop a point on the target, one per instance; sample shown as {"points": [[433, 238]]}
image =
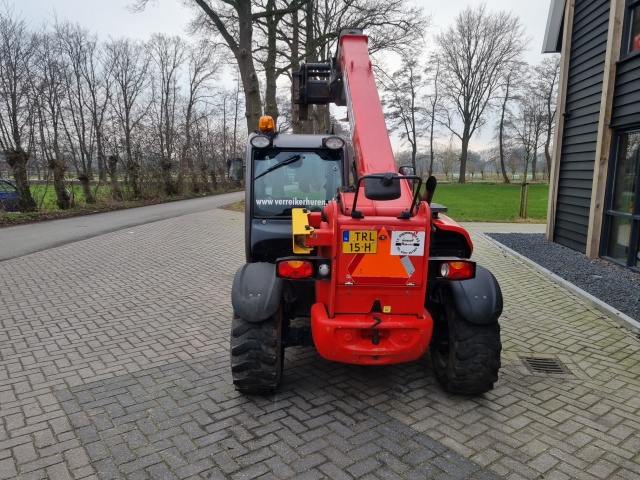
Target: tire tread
{"points": [[473, 358], [256, 354]]}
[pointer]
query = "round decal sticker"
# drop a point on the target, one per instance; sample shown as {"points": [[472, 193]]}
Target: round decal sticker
{"points": [[407, 243]]}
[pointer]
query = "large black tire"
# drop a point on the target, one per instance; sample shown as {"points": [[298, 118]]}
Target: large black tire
{"points": [[465, 356], [257, 355]]}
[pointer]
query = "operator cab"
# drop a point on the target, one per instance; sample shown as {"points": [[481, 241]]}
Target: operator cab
{"points": [[286, 172]]}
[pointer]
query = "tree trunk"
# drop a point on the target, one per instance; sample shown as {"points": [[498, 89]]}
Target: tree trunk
{"points": [[86, 188], [17, 159], [534, 162], [195, 185], [203, 176], [414, 151], [323, 119], [187, 160], [271, 104], [505, 177], [463, 154], [132, 169], [526, 168], [169, 189], [58, 168], [250, 82], [307, 126], [214, 180], [431, 135], [116, 193], [102, 167], [296, 124]]}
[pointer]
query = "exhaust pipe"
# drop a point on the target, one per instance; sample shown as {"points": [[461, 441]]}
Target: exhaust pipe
{"points": [[429, 188]]}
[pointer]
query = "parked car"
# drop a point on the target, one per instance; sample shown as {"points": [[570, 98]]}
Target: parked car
{"points": [[9, 198]]}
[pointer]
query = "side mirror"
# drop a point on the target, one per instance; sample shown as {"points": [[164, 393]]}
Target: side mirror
{"points": [[407, 170], [235, 169], [382, 187]]}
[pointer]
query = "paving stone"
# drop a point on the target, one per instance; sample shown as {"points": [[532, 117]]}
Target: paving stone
{"points": [[59, 471], [8, 469], [205, 466]]}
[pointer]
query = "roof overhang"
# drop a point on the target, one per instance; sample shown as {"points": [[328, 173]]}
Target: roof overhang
{"points": [[553, 33]]}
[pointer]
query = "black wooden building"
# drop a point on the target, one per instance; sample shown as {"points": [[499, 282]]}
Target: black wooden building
{"points": [[596, 157]]}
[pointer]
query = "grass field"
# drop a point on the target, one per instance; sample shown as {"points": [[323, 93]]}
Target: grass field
{"points": [[45, 198], [491, 203], [471, 202], [482, 202]]}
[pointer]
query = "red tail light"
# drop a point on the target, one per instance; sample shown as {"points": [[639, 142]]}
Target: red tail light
{"points": [[457, 270], [295, 269]]}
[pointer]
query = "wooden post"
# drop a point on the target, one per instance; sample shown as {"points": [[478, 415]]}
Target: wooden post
{"points": [[524, 199], [603, 144]]}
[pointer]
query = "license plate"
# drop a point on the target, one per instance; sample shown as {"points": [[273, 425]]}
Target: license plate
{"points": [[359, 241]]}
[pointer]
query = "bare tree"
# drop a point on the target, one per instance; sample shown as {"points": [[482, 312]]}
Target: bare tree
{"points": [[204, 64], [401, 97], [50, 93], [393, 25], [18, 49], [545, 84], [488, 161], [473, 160], [511, 82], [433, 108], [76, 46], [234, 20], [526, 127], [98, 81], [168, 55], [448, 159], [129, 65], [474, 52], [514, 160]]}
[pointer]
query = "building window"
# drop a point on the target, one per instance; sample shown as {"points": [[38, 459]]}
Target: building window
{"points": [[622, 216], [633, 16]]}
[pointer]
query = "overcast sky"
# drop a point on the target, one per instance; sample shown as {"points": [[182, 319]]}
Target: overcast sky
{"points": [[110, 17]]}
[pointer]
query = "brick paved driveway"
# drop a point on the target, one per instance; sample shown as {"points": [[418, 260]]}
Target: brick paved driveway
{"points": [[114, 364]]}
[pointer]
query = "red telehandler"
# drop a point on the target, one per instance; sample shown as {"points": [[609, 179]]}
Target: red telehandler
{"points": [[350, 256]]}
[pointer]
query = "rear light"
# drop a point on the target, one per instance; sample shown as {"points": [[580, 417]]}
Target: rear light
{"points": [[295, 269], [304, 268], [457, 270], [324, 269]]}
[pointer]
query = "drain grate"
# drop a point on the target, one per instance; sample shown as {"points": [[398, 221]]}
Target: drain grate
{"points": [[549, 366]]}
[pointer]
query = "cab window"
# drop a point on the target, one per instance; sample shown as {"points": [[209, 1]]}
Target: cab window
{"points": [[294, 179]]}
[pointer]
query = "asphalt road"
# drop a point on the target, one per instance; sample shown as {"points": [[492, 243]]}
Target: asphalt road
{"points": [[25, 239]]}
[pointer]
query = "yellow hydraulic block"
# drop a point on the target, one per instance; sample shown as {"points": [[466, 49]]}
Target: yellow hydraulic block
{"points": [[301, 228]]}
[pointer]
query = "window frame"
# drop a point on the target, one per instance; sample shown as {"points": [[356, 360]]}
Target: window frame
{"points": [[626, 42], [609, 214]]}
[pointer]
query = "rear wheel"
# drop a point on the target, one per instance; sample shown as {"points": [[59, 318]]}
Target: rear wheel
{"points": [[257, 355], [465, 356]]}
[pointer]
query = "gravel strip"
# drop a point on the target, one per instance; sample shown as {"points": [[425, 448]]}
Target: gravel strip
{"points": [[617, 286]]}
